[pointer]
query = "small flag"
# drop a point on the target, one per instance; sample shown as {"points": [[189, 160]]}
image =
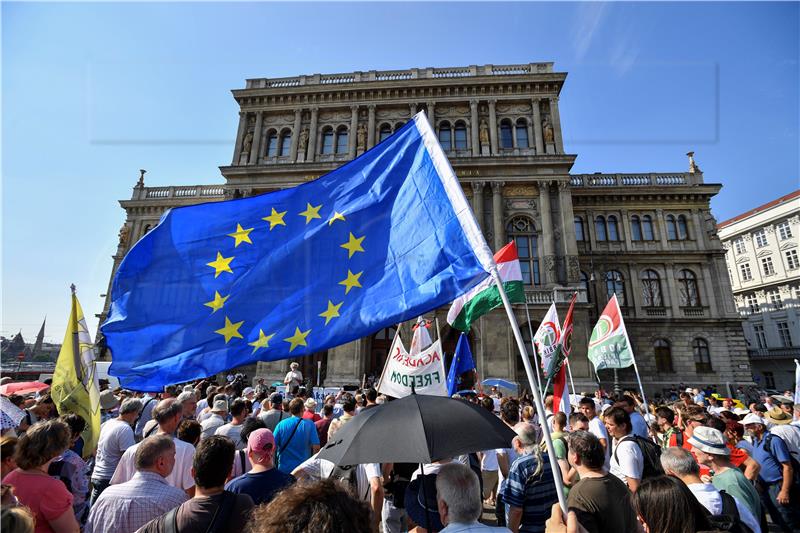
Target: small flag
{"points": [[485, 296], [421, 338], [547, 338], [796, 382], [609, 346], [462, 362], [561, 393]]}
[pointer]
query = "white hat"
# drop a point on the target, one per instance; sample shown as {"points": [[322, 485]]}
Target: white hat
{"points": [[754, 419], [311, 403], [188, 388], [739, 411], [220, 406], [247, 390], [709, 440], [689, 390]]}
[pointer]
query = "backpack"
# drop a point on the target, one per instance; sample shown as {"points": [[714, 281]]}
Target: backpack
{"points": [[57, 469], [651, 453], [346, 475], [794, 462], [728, 519]]}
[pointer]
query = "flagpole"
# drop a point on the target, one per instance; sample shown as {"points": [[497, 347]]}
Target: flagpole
{"points": [[533, 345], [537, 394], [633, 358], [569, 373], [386, 363]]}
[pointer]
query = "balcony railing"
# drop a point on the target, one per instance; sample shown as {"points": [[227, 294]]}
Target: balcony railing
{"points": [[559, 295], [693, 311], [774, 353], [190, 191], [635, 180]]}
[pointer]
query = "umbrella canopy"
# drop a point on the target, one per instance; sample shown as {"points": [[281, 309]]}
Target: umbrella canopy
{"points": [[10, 414], [417, 429], [501, 383], [22, 387]]}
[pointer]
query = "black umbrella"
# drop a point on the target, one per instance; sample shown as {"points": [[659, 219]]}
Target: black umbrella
{"points": [[417, 429]]}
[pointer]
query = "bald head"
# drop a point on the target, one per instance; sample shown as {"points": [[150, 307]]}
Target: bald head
{"points": [[168, 415]]}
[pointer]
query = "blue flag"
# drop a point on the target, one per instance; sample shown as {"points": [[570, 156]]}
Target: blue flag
{"points": [[462, 362], [382, 239]]}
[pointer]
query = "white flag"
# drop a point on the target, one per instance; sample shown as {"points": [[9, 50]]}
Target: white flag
{"points": [[423, 373], [421, 338], [796, 382], [547, 337]]}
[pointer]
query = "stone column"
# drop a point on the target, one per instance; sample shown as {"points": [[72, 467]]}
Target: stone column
{"points": [[412, 108], [312, 135], [477, 201], [672, 290], [547, 233], [708, 288], [351, 138], [432, 115], [256, 147], [497, 215], [537, 127], [237, 150], [493, 126], [626, 227], [568, 232], [662, 229], [556, 118], [635, 294], [696, 232], [371, 126], [298, 122], [474, 134]]}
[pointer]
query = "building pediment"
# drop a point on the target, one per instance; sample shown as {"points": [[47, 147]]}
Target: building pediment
{"points": [[788, 244], [764, 253]]}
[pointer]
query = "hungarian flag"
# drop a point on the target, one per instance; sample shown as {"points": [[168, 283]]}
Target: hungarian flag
{"points": [[547, 339], [485, 296], [561, 393], [563, 346], [609, 346]]}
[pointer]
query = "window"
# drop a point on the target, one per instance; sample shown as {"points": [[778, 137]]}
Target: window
{"points": [[445, 136], [327, 140], [761, 238], [744, 268], [791, 260], [672, 228], [647, 228], [579, 235], [761, 338], [341, 140], [615, 284], [784, 230], [506, 136], [702, 357], [286, 143], [636, 228], [683, 231], [522, 133], [272, 144], [613, 232], [461, 136], [738, 245], [752, 303], [385, 132], [585, 285], [784, 335], [651, 289], [767, 266], [687, 289], [522, 231], [774, 297], [769, 380], [600, 228], [663, 354]]}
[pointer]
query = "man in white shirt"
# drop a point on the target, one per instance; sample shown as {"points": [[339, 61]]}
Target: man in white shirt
{"points": [[219, 412], [779, 423], [596, 427], [627, 461], [233, 429], [116, 436], [637, 420]]}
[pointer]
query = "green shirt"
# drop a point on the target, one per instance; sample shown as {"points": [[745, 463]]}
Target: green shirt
{"points": [[732, 481]]}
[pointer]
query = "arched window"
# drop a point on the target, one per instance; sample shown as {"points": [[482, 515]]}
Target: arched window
{"points": [[585, 285], [445, 136], [683, 232], [579, 233], [522, 231], [272, 143], [687, 288], [672, 228], [663, 355], [385, 132], [461, 136], [651, 289], [702, 356], [647, 228], [327, 140], [600, 228], [341, 140], [506, 135], [398, 126], [522, 133], [286, 142], [615, 284], [636, 228], [613, 231]]}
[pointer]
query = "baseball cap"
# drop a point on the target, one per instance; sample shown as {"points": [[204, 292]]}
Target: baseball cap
{"points": [[709, 440], [753, 419], [260, 441]]}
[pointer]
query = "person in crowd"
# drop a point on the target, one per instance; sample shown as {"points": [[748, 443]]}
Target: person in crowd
{"points": [[203, 406], [397, 477], [711, 448], [311, 410], [665, 504], [7, 464], [148, 402], [601, 501], [47, 498], [778, 490], [558, 435], [665, 418], [371, 396], [779, 422], [275, 413], [530, 488], [189, 430], [263, 481], [322, 507], [216, 419], [17, 520], [168, 413], [509, 414], [627, 461], [296, 439], [637, 420], [324, 424], [72, 469], [116, 436], [787, 407], [578, 422], [680, 463], [458, 500], [293, 379], [739, 456], [349, 408], [420, 500], [43, 409], [212, 508], [241, 462], [587, 407], [233, 429], [108, 405], [126, 507], [489, 473], [188, 402]]}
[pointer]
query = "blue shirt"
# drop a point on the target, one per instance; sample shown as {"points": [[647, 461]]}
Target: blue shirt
{"points": [[297, 448], [534, 495], [770, 459], [261, 486]]}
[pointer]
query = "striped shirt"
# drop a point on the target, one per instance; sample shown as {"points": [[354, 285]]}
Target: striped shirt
{"points": [[534, 495]]}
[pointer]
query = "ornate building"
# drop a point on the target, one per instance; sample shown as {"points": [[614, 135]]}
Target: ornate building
{"points": [[648, 237], [761, 248]]}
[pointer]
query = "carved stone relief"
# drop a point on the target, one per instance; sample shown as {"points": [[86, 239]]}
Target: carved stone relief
{"points": [[517, 191]]}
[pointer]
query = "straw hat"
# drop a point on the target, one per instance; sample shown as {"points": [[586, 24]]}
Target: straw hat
{"points": [[107, 400], [778, 417]]}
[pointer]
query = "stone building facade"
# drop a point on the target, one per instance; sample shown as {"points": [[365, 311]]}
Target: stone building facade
{"points": [[762, 249], [648, 237]]}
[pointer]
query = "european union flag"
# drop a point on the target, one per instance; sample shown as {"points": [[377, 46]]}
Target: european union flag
{"points": [[462, 362], [382, 239]]}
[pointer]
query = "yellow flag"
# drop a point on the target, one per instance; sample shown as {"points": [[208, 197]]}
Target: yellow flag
{"points": [[75, 388]]}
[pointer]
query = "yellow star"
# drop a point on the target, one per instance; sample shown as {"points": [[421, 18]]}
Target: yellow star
{"points": [[336, 216], [311, 212], [230, 330], [241, 235], [275, 219], [331, 312], [217, 303], [221, 264], [262, 342], [351, 281], [353, 245], [298, 339]]}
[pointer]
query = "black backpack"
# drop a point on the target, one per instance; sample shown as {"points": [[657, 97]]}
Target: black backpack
{"points": [[728, 519], [346, 475], [651, 452]]}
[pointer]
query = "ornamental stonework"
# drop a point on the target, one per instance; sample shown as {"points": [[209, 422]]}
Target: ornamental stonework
{"points": [[519, 191]]}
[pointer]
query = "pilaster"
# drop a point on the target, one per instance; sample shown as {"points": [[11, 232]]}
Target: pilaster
{"points": [[477, 201], [237, 150], [371, 126], [298, 118], [493, 126], [254, 149], [547, 233], [555, 116], [474, 135], [497, 215], [537, 127], [432, 114], [351, 138], [568, 232], [312, 135]]}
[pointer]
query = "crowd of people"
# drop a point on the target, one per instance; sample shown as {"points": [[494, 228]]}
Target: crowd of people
{"points": [[236, 458]]}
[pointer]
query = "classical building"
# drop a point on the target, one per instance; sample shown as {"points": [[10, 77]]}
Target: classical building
{"points": [[650, 238], [763, 255]]}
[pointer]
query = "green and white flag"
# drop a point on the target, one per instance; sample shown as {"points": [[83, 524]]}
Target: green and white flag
{"points": [[547, 339], [609, 346], [485, 296]]}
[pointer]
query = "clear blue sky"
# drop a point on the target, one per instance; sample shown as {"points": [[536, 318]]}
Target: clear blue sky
{"points": [[92, 92]]}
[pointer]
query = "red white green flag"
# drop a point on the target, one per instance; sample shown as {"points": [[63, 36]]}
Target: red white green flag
{"points": [[563, 346], [609, 346], [486, 296]]}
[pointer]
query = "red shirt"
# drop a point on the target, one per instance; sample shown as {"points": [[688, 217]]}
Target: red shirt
{"points": [[46, 497], [311, 415], [738, 455], [673, 441]]}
